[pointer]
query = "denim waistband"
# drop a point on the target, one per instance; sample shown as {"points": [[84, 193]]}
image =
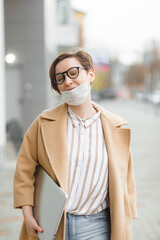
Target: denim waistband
{"points": [[105, 211]]}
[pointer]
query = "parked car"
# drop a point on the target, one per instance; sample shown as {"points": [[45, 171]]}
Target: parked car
{"points": [[108, 93], [123, 92], [95, 95]]}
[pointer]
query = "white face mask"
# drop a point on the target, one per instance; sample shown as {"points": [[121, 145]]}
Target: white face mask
{"points": [[77, 95]]}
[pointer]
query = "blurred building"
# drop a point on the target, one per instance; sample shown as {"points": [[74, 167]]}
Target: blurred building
{"points": [[80, 16], [152, 67], [101, 64], [35, 32], [118, 72], [2, 88]]}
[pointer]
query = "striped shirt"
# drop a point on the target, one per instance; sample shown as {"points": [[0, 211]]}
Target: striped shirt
{"points": [[88, 165]]}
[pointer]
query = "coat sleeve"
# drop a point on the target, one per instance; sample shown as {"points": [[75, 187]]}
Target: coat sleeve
{"points": [[131, 187], [23, 187]]}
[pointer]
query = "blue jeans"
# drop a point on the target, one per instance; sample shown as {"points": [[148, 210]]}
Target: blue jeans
{"points": [[88, 227]]}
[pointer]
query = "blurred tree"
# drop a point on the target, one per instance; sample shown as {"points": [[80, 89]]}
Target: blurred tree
{"points": [[145, 76], [135, 77]]}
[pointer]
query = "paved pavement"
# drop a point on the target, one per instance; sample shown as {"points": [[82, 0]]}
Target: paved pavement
{"points": [[144, 120]]}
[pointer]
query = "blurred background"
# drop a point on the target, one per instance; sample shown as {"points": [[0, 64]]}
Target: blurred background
{"points": [[123, 37]]}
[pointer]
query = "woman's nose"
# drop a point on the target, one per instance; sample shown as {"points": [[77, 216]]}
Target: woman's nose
{"points": [[67, 80]]}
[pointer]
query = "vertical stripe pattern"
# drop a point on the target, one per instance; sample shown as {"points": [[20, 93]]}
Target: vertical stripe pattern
{"points": [[88, 165]]}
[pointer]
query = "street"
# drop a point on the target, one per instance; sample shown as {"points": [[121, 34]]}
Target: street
{"points": [[144, 120]]}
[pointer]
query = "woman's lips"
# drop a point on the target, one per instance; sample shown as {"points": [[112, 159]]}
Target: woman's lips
{"points": [[70, 89]]}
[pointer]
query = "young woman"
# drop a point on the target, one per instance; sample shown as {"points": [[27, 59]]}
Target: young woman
{"points": [[86, 151]]}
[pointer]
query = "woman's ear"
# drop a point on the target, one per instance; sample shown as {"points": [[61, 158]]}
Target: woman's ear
{"points": [[91, 75]]}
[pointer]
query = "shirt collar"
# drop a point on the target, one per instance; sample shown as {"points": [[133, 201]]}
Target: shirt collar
{"points": [[84, 122]]}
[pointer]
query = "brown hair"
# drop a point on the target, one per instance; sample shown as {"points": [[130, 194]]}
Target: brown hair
{"points": [[83, 57]]}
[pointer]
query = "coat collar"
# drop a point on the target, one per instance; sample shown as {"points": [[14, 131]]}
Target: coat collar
{"points": [[57, 112]]}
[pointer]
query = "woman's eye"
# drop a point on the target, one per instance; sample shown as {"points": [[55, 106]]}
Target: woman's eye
{"points": [[73, 72], [59, 78]]}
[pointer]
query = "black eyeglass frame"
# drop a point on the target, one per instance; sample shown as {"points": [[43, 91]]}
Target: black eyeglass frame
{"points": [[63, 79]]}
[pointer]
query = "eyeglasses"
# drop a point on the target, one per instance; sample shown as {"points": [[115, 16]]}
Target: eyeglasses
{"points": [[72, 73]]}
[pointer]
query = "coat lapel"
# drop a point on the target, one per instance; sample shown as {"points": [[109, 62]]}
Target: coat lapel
{"points": [[54, 135]]}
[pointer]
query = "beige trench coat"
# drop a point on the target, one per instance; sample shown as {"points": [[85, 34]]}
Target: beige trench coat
{"points": [[45, 143]]}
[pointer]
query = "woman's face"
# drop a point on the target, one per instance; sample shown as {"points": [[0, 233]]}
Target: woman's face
{"points": [[69, 83]]}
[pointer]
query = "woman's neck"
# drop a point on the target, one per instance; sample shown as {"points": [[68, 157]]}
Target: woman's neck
{"points": [[85, 110]]}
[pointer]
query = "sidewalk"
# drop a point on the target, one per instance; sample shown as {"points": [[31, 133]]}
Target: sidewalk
{"points": [[10, 219], [144, 121], [145, 125]]}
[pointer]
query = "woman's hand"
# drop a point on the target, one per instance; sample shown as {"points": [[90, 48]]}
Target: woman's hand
{"points": [[30, 222]]}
